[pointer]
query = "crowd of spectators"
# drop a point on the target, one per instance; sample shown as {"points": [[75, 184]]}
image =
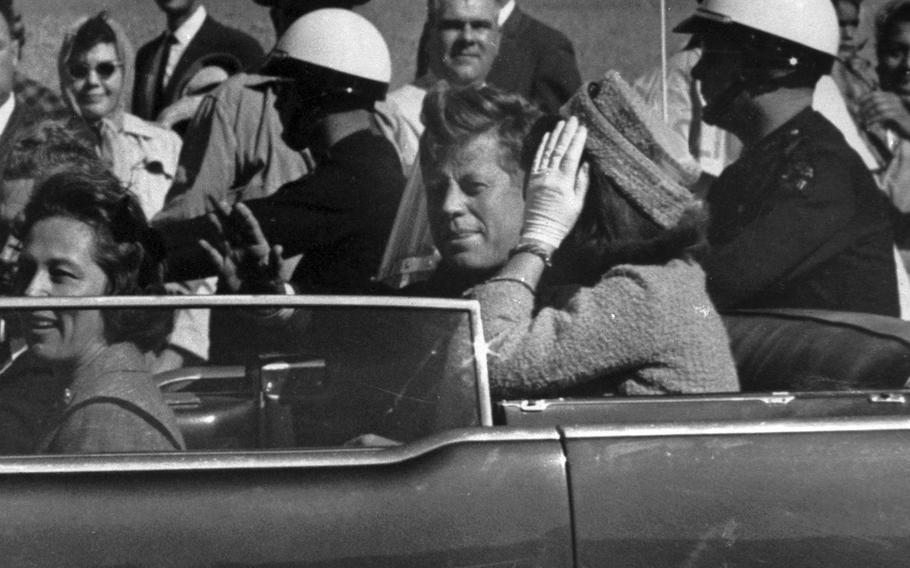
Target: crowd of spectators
{"points": [[600, 241]]}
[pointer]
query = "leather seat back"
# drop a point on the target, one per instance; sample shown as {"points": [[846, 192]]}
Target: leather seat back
{"points": [[803, 350]]}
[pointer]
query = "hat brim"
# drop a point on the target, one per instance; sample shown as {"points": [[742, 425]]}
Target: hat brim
{"points": [[699, 23]]}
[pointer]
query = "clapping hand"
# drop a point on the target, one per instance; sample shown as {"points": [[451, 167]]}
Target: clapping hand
{"points": [[245, 261], [556, 185]]}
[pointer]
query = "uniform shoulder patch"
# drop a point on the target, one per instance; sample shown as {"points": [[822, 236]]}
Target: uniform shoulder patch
{"points": [[797, 176]]}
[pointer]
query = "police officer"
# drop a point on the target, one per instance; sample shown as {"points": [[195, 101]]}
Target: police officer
{"points": [[340, 214], [797, 221]]}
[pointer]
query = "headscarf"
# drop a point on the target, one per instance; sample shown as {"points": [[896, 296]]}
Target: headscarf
{"points": [[111, 124]]}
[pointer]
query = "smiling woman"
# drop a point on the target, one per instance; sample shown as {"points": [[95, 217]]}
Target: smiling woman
{"points": [[83, 236], [96, 67]]}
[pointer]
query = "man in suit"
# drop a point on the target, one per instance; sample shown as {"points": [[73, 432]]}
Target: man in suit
{"points": [[14, 116], [164, 64], [29, 92], [535, 60]]}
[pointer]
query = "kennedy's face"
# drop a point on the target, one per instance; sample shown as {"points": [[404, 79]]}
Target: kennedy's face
{"points": [[467, 37], [475, 206], [57, 259]]}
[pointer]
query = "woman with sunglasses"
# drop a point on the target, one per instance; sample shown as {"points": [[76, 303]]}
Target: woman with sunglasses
{"points": [[96, 68]]}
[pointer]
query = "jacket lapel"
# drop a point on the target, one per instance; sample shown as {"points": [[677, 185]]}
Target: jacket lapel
{"points": [[198, 47]]}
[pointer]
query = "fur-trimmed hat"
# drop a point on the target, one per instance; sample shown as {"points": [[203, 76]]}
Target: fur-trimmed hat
{"points": [[649, 163]]}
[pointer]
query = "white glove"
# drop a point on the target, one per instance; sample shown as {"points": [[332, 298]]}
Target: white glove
{"points": [[556, 186]]}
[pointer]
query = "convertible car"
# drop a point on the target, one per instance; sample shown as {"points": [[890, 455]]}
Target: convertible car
{"points": [[360, 432]]}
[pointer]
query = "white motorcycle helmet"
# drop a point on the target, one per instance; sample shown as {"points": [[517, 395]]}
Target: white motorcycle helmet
{"points": [[811, 24], [783, 43], [335, 57]]}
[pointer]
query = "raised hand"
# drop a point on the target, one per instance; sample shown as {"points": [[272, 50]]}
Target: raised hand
{"points": [[245, 261], [556, 185]]}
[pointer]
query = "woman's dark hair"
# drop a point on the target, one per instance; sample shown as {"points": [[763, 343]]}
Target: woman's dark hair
{"points": [[455, 115], [60, 141], [126, 249], [94, 31], [611, 231]]}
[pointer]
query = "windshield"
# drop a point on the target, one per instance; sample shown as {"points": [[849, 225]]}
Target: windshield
{"points": [[305, 372]]}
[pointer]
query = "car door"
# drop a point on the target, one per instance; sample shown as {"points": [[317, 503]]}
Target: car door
{"points": [[743, 480], [429, 482]]}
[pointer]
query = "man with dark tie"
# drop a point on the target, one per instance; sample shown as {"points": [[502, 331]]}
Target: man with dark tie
{"points": [[163, 64], [535, 60]]}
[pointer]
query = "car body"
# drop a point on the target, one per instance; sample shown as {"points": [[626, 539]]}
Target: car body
{"points": [[443, 477]]}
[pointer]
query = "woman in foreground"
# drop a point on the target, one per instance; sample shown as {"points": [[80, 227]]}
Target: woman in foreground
{"points": [[84, 236]]}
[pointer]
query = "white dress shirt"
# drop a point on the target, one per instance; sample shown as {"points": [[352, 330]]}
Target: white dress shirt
{"points": [[182, 38], [505, 12], [6, 111]]}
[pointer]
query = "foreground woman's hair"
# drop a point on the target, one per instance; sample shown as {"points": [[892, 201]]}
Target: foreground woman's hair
{"points": [[126, 249]]}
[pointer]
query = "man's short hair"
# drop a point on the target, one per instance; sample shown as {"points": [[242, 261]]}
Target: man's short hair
{"points": [[456, 115]]}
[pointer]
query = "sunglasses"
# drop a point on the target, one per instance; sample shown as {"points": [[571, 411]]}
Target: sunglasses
{"points": [[104, 69]]}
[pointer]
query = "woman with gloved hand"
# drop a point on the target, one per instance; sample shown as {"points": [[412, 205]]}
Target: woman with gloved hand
{"points": [[623, 309]]}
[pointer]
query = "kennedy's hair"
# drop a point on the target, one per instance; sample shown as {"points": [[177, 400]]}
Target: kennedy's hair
{"points": [[456, 115], [125, 248]]}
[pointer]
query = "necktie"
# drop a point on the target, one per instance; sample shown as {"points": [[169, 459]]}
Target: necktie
{"points": [[153, 88], [165, 52]]}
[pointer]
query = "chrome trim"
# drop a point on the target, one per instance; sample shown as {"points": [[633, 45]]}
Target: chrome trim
{"points": [[782, 398], [235, 301], [480, 366], [738, 428], [271, 459]]}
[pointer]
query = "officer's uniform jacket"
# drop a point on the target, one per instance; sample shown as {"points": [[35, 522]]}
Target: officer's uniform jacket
{"points": [[798, 222]]}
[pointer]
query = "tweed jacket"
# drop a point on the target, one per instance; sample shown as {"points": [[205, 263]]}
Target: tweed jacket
{"points": [[642, 329], [112, 405]]}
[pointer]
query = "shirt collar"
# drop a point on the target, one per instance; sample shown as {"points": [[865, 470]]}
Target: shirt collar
{"points": [[188, 29], [6, 111], [505, 12]]}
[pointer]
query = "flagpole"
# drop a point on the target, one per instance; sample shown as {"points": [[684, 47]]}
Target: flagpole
{"points": [[663, 60]]}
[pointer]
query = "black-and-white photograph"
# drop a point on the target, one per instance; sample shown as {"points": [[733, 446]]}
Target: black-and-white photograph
{"points": [[455, 283]]}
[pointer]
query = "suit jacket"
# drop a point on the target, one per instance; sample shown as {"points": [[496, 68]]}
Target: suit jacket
{"points": [[211, 38], [535, 61], [23, 118]]}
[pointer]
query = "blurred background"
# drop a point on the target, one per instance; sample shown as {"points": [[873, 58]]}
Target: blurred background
{"points": [[608, 34]]}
